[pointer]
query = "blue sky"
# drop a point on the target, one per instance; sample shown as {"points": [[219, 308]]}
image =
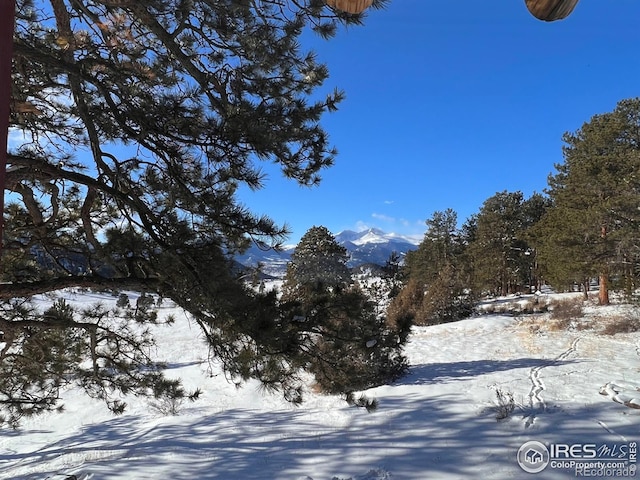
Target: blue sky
{"points": [[450, 102]]}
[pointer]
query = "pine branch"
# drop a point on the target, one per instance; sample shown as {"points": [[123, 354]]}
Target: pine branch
{"points": [[28, 289]]}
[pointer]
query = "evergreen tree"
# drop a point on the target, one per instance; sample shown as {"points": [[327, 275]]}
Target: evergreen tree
{"points": [[385, 284], [533, 210], [353, 347], [392, 275], [438, 248], [318, 262], [502, 257], [593, 227], [565, 256], [437, 288], [141, 119], [446, 299]]}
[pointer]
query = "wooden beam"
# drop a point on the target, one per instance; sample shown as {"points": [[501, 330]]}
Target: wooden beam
{"points": [[551, 10], [7, 16], [350, 6]]}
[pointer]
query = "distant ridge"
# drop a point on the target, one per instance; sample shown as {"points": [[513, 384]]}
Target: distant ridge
{"points": [[371, 246], [374, 246]]}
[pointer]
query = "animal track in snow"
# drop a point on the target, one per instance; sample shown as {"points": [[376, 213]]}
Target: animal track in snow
{"points": [[625, 393], [536, 401]]}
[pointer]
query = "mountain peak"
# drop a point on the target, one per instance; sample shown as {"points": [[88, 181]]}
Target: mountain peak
{"points": [[367, 246], [373, 235]]}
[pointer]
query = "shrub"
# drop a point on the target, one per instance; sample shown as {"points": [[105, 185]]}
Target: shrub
{"points": [[145, 309], [505, 404], [123, 301], [567, 310], [446, 300], [169, 401], [168, 406], [626, 323], [402, 310]]}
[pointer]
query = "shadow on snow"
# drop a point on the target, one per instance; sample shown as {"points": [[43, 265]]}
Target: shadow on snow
{"points": [[413, 435], [438, 372]]}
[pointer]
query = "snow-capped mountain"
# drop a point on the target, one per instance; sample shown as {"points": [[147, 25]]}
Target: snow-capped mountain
{"points": [[373, 235], [374, 246], [368, 246]]}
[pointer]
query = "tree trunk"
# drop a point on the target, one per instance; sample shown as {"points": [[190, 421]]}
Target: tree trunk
{"points": [[6, 54], [585, 288], [603, 293]]}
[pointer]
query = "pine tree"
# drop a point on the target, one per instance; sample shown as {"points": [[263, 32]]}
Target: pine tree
{"points": [[502, 258], [141, 120], [318, 262], [438, 248], [446, 299], [351, 347], [437, 288], [593, 227]]}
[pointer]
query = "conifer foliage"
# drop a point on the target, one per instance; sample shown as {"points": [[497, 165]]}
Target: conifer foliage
{"points": [[135, 124], [437, 288], [350, 347], [502, 255], [318, 262], [593, 229]]}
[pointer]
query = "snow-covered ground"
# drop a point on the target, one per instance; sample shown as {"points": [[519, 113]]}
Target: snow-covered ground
{"points": [[438, 422]]}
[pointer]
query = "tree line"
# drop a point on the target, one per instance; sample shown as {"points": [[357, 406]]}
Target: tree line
{"points": [[584, 227]]}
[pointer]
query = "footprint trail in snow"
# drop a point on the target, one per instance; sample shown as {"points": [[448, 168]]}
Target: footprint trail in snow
{"points": [[536, 400]]}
